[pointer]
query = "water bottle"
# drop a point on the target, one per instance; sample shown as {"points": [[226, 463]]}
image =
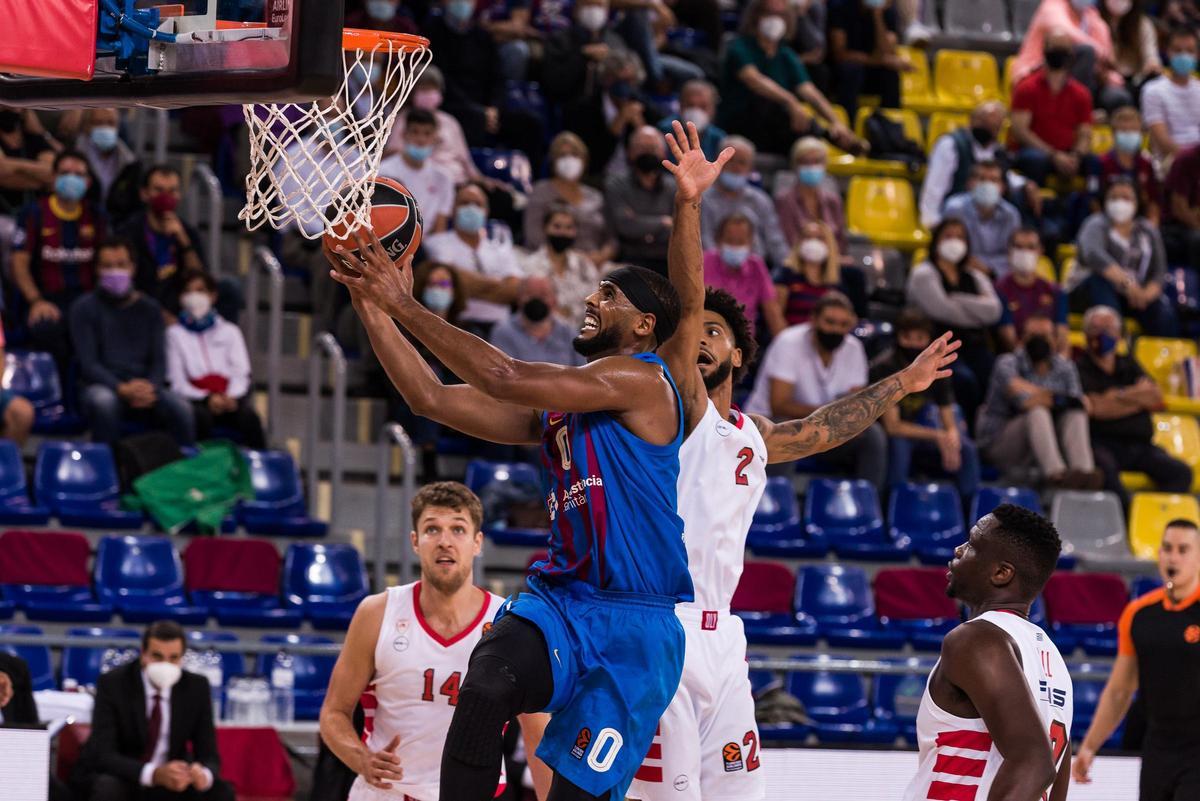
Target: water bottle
{"points": [[236, 709], [111, 658], [259, 702], [216, 678], [283, 681]]}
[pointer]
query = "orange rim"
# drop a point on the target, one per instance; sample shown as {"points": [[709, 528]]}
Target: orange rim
{"points": [[363, 39]]}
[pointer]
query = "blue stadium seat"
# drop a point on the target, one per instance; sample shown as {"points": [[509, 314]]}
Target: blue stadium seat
{"points": [[41, 669], [927, 519], [988, 498], [78, 482], [311, 672], [325, 582], [896, 697], [278, 507], [839, 598], [499, 483], [763, 600], [1087, 698], [143, 578], [83, 663], [7, 608], [15, 507], [837, 702], [34, 377], [846, 514], [778, 528], [760, 682], [232, 662], [1144, 584], [507, 166]]}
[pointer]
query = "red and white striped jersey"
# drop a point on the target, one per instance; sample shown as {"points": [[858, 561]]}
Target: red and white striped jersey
{"points": [[958, 759], [414, 691]]}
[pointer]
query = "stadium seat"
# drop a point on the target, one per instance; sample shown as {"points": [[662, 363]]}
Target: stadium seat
{"points": [[837, 703], [311, 671], [37, 657], [1149, 514], [15, 507], [278, 507], [142, 578], [78, 483], [324, 582], [916, 87], [914, 599], [498, 485], [1006, 78], [942, 123], [1144, 584], [927, 519], [45, 574], [896, 697], [838, 598], [1179, 436], [509, 167], [988, 498], [232, 662], [885, 211], [846, 514], [763, 600], [909, 121], [1092, 526], [976, 21], [778, 527], [34, 377], [1022, 13], [1161, 358], [963, 79], [1102, 139], [1087, 691], [1087, 605], [83, 663], [238, 580]]}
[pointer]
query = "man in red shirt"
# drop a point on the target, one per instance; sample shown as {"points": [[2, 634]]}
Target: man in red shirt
{"points": [[1181, 218]]}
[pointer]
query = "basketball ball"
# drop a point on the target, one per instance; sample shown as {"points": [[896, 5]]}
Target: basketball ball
{"points": [[395, 219]]}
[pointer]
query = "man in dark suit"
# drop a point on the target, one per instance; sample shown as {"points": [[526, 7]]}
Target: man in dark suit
{"points": [[17, 707], [152, 730]]}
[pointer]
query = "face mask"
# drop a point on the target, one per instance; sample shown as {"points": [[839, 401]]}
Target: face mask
{"points": [[104, 137], [696, 116], [772, 28], [163, 203], [646, 162], [470, 218], [734, 256], [1183, 63], [163, 675], [830, 340], [1103, 344], [197, 304], [814, 250], [535, 310], [1023, 260], [428, 99], [460, 11], [811, 175], [569, 168], [381, 9], [9, 121], [116, 282], [952, 250], [1057, 59], [1119, 210], [986, 194], [1119, 8], [438, 298], [732, 181], [1128, 141], [910, 354], [70, 187], [1082, 5], [873, 4], [983, 136], [1037, 348], [592, 18], [418, 152], [559, 243]]}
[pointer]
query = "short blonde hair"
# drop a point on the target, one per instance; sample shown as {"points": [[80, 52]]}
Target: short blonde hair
{"points": [[567, 139], [808, 144]]}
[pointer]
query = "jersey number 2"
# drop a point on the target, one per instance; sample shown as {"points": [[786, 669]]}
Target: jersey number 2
{"points": [[1058, 744], [745, 457], [449, 687]]}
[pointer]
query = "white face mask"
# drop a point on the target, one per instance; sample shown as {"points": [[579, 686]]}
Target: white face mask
{"points": [[1119, 8], [163, 675], [772, 28], [814, 250], [592, 18], [952, 249], [568, 168], [1120, 210], [197, 304], [1023, 260], [696, 116]]}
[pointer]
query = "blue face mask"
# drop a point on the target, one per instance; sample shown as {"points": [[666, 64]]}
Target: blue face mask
{"points": [[381, 9], [811, 176], [734, 256], [418, 152], [874, 3], [437, 298], [986, 194], [104, 137], [469, 218], [1103, 344], [1128, 141], [1183, 63], [70, 187], [460, 10], [732, 181]]}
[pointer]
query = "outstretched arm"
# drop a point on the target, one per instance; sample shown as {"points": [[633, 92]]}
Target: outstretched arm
{"points": [[846, 418]]}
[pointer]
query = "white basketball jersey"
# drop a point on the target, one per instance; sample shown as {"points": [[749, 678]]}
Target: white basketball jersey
{"points": [[722, 476], [414, 691], [957, 756]]}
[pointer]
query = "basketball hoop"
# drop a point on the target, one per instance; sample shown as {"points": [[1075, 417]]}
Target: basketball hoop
{"points": [[311, 164]]}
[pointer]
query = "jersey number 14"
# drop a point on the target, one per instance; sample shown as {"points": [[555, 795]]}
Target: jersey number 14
{"points": [[449, 687]]}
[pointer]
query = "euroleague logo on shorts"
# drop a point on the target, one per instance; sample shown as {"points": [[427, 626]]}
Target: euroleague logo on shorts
{"points": [[1191, 635], [582, 741], [732, 754]]}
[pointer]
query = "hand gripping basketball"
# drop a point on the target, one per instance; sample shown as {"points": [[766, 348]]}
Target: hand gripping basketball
{"points": [[379, 768], [370, 272]]}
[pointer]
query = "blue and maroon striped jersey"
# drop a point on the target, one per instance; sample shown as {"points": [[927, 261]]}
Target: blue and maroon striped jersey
{"points": [[612, 501]]}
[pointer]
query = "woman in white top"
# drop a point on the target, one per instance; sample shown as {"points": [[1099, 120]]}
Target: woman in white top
{"points": [[573, 275], [207, 364], [568, 163], [1135, 42]]}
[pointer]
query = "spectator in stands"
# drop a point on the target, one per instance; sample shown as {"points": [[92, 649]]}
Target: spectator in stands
{"points": [[1121, 397], [955, 153], [118, 336], [1122, 263], [535, 333], [809, 365], [18, 707], [1081, 35], [1135, 42], [734, 194], [811, 270], [764, 85], [735, 265], [208, 365], [640, 202], [414, 167], [379, 15], [956, 294], [1129, 160], [1025, 294], [1171, 102], [1181, 226], [863, 35], [698, 105], [574, 55], [152, 729], [1036, 413], [809, 41], [468, 248], [100, 142], [571, 273], [54, 255], [565, 187], [811, 198], [26, 165], [510, 25], [450, 150], [16, 413], [989, 218], [944, 446], [1052, 112]]}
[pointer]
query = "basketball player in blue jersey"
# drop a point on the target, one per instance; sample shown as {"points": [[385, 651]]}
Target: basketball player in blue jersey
{"points": [[593, 639]]}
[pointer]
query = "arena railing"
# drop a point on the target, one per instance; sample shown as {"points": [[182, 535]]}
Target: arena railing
{"points": [[393, 434], [204, 181], [324, 346], [264, 261]]}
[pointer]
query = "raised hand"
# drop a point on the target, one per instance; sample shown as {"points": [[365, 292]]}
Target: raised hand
{"points": [[371, 273], [693, 172], [933, 364]]}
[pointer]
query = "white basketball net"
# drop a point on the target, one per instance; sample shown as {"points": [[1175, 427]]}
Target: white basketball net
{"points": [[311, 164]]}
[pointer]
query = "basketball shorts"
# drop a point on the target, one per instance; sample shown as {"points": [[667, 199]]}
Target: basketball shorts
{"points": [[616, 658], [707, 746]]}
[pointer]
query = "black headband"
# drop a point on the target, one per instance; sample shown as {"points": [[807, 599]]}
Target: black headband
{"points": [[631, 281]]}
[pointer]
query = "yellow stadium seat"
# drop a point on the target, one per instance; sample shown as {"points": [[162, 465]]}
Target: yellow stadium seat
{"points": [[1066, 251], [1148, 516], [844, 165], [916, 89], [885, 211], [963, 79], [942, 123], [909, 120], [1160, 358], [1045, 269], [1102, 139], [1068, 268], [1006, 83], [1178, 435]]}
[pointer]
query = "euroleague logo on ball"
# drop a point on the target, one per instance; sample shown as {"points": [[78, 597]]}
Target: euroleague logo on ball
{"points": [[395, 218]]}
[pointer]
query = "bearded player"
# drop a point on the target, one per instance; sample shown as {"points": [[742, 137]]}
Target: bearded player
{"points": [[405, 655], [708, 735]]}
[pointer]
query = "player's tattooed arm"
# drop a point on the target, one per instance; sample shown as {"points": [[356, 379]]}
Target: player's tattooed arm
{"points": [[844, 419]]}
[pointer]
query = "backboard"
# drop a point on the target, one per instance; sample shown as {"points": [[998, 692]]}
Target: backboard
{"points": [[204, 52]]}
